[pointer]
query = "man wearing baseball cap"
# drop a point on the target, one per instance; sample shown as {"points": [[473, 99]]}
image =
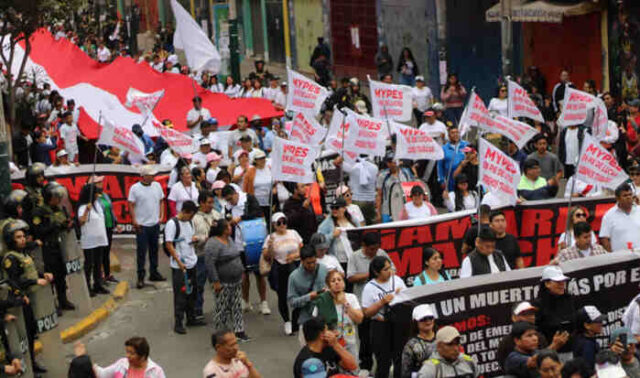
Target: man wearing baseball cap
{"points": [[432, 126], [447, 361], [421, 97]]}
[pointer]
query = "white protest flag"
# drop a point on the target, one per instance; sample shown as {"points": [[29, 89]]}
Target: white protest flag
{"points": [[121, 137], [474, 113], [291, 161], [499, 173], [390, 101], [519, 132], [414, 144], [576, 108], [201, 54], [334, 140], [366, 135], [145, 102], [597, 166], [521, 105], [305, 95], [181, 143], [305, 129]]}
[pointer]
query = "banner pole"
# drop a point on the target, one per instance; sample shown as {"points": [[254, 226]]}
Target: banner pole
{"points": [[344, 117], [568, 238], [479, 184], [95, 163], [150, 112]]}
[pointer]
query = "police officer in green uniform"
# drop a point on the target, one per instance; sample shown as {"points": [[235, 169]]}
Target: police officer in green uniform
{"points": [[10, 364], [34, 180], [21, 273], [50, 222], [16, 206]]}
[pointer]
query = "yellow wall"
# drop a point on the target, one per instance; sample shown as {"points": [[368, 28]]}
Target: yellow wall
{"points": [[308, 20]]}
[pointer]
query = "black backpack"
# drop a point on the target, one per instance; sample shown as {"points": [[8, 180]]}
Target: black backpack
{"points": [[164, 238]]}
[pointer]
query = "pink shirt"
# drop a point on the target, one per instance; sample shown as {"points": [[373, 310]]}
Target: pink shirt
{"points": [[135, 373], [234, 370]]}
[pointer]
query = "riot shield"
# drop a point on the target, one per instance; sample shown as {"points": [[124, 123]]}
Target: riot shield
{"points": [[18, 340], [74, 263], [44, 308], [38, 259]]}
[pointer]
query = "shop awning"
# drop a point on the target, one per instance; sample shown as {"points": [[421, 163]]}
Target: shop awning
{"points": [[541, 11]]}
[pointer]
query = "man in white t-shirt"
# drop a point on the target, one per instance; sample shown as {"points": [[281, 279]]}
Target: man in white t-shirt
{"points": [[280, 99], [620, 225], [147, 209], [485, 258], [196, 115], [70, 133], [179, 239], [421, 97], [229, 361], [433, 127], [242, 130], [103, 53], [200, 157]]}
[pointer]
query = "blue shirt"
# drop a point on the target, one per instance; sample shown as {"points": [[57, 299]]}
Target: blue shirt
{"points": [[267, 140], [428, 281], [453, 156]]}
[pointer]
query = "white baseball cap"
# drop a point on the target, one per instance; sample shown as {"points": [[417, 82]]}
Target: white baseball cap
{"points": [[423, 311], [594, 315], [277, 216], [553, 273], [524, 307], [62, 153]]}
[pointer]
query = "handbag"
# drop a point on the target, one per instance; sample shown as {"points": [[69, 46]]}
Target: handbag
{"points": [[264, 265]]}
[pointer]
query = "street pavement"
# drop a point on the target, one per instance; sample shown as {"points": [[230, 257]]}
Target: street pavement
{"points": [[149, 313]]}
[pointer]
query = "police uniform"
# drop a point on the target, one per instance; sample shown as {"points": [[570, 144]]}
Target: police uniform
{"points": [[9, 297], [49, 223], [437, 367], [36, 195]]}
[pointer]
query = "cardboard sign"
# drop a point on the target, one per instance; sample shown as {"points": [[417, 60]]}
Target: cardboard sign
{"points": [[181, 143], [305, 95], [291, 161], [414, 144], [580, 107], [521, 105], [122, 138], [498, 172], [305, 129], [390, 101], [366, 135], [597, 165]]}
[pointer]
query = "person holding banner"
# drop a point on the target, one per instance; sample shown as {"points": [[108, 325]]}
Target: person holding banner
{"points": [[362, 182], [258, 181], [620, 224], [419, 207]]}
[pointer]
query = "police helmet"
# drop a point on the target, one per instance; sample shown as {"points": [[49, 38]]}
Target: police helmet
{"points": [[33, 172], [10, 229], [53, 189], [17, 197]]}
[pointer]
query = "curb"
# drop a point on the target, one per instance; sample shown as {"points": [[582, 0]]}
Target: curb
{"points": [[97, 316], [114, 263]]}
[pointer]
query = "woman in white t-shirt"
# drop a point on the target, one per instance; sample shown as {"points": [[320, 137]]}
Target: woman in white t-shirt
{"points": [[183, 190], [376, 296], [340, 310], [258, 181], [213, 160], [93, 237], [461, 198], [242, 158], [354, 210], [499, 105], [576, 214], [418, 207], [282, 248]]}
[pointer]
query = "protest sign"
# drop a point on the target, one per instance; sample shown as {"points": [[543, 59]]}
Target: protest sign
{"points": [[475, 112], [580, 107], [145, 102], [336, 134], [480, 307], [330, 172], [537, 225], [291, 161], [390, 101], [519, 132], [498, 172], [305, 129], [599, 166], [521, 105], [181, 143], [366, 135], [120, 137], [414, 144], [305, 95]]}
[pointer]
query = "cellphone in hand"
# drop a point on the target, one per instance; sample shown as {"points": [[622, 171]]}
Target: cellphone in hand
{"points": [[623, 341]]}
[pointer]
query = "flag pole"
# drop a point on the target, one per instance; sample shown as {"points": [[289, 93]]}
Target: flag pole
{"points": [[344, 117], [151, 110], [95, 163], [568, 238], [446, 180]]}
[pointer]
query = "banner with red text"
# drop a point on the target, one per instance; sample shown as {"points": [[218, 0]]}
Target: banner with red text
{"points": [[480, 307], [519, 132], [291, 161], [121, 137], [498, 173], [336, 134], [521, 105], [474, 113], [537, 225], [366, 135], [597, 166], [181, 143], [305, 95], [145, 102], [305, 129], [580, 107], [390, 101], [414, 144]]}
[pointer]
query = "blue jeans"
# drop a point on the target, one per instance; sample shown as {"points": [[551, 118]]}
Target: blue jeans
{"points": [[201, 280], [147, 238]]}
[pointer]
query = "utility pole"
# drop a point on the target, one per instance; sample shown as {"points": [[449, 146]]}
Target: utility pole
{"points": [[506, 37], [233, 41]]}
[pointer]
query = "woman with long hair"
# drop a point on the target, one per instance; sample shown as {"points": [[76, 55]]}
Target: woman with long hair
{"points": [[499, 105], [576, 214], [183, 190], [407, 67], [433, 270], [386, 337], [214, 86], [422, 344], [224, 270], [340, 310], [353, 209], [245, 90], [258, 181], [282, 249], [461, 198], [257, 91], [332, 227], [93, 237], [231, 89], [240, 170], [136, 363], [453, 95]]}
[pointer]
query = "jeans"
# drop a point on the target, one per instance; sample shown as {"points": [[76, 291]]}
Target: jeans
{"points": [[184, 303], [282, 273], [201, 280], [387, 347], [92, 263], [147, 238], [364, 355]]}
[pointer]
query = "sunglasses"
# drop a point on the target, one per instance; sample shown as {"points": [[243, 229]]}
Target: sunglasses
{"points": [[581, 215], [347, 195], [281, 222]]}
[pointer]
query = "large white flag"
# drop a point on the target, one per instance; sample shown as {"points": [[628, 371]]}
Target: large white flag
{"points": [[305, 129], [596, 165], [474, 113], [498, 172], [578, 106], [338, 129], [145, 102], [414, 144], [521, 105], [390, 101], [201, 54], [519, 132], [181, 143], [291, 161], [366, 135], [121, 137], [305, 95]]}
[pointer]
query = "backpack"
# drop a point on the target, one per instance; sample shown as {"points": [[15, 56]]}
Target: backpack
{"points": [[164, 238]]}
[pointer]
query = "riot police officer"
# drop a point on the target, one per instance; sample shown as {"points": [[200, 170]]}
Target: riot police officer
{"points": [[21, 273], [17, 205], [50, 222], [10, 364], [34, 180]]}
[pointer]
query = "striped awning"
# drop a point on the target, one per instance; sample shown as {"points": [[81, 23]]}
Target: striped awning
{"points": [[541, 11]]}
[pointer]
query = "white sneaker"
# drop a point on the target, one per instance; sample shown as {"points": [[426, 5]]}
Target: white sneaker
{"points": [[264, 308], [287, 329], [246, 306]]}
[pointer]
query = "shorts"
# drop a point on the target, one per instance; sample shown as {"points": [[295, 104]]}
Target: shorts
{"points": [[255, 269]]}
